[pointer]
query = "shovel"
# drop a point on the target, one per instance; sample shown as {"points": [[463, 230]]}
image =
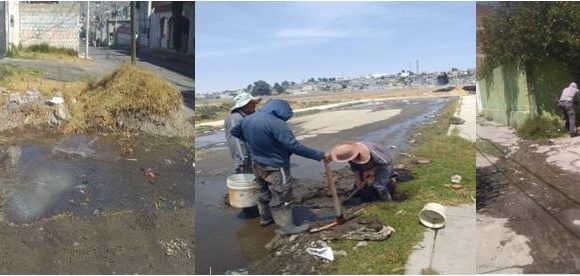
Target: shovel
{"points": [[339, 216], [332, 188]]}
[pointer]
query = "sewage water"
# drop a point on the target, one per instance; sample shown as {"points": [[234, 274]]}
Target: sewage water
{"points": [[87, 175], [227, 242]]}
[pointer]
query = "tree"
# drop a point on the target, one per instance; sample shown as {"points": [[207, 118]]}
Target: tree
{"points": [[261, 88], [285, 84], [311, 80], [249, 88], [528, 34], [278, 88]]}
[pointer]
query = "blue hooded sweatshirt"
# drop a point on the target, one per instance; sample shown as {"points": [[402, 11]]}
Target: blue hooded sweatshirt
{"points": [[270, 138]]}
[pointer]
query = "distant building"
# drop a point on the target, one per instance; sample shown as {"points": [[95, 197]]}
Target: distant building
{"points": [[167, 25], [29, 23]]}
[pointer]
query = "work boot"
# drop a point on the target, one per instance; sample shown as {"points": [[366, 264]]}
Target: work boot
{"points": [[283, 218], [265, 214]]}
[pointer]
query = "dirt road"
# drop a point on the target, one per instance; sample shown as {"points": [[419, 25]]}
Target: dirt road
{"points": [[83, 204], [530, 208], [238, 242]]}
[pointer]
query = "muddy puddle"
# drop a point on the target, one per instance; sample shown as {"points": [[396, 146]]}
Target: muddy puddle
{"points": [[237, 241], [44, 175]]}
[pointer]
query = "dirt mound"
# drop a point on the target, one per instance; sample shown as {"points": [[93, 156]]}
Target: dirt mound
{"points": [[133, 98]]}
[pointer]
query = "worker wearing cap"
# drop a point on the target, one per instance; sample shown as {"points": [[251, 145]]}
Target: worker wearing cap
{"points": [[566, 104], [272, 143], [244, 105], [372, 166]]}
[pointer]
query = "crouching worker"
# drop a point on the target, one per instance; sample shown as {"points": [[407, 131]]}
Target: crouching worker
{"points": [[372, 166], [271, 144]]}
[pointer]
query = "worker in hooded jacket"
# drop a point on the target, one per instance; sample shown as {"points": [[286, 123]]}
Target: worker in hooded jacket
{"points": [[272, 143]]}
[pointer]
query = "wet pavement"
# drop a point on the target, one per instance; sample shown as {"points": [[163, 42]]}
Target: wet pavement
{"points": [[45, 175], [236, 241]]}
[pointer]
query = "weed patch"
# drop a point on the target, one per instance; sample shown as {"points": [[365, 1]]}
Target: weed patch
{"points": [[541, 128]]}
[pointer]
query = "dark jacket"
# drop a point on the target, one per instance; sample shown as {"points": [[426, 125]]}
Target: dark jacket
{"points": [[270, 138]]}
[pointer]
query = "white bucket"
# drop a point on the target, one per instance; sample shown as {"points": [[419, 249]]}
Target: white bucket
{"points": [[242, 190], [433, 215]]}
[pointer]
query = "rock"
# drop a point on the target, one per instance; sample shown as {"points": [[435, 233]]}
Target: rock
{"points": [[341, 253], [534, 146], [33, 93], [399, 166], [52, 120], [75, 244], [412, 141], [16, 99], [393, 147], [362, 243], [60, 113], [120, 123], [456, 179], [423, 161]]}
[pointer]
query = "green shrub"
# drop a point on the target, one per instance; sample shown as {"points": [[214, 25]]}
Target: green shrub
{"points": [[541, 128]]}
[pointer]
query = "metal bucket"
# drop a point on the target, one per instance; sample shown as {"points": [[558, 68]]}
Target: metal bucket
{"points": [[433, 215], [242, 190]]}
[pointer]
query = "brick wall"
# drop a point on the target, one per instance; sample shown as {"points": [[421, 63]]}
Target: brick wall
{"points": [[55, 24]]}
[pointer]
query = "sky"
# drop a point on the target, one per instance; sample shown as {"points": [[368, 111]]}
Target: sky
{"points": [[238, 43]]}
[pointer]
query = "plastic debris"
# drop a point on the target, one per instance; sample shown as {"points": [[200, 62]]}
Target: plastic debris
{"points": [[324, 252], [456, 179], [56, 100]]}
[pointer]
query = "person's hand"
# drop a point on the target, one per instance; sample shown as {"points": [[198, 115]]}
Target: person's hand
{"points": [[359, 184], [369, 176], [327, 158]]}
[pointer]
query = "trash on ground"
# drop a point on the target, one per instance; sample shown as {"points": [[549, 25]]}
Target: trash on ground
{"points": [[241, 271], [456, 179], [423, 161], [324, 252], [174, 247], [149, 174], [433, 215], [56, 100], [393, 147]]}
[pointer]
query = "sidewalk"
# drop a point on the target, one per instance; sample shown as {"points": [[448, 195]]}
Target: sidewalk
{"points": [[450, 250], [466, 111], [562, 152]]}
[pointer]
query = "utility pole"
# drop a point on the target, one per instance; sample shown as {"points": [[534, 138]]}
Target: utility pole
{"points": [[87, 31], [133, 40]]}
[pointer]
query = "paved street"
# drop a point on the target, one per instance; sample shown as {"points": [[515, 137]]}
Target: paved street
{"points": [[106, 60]]}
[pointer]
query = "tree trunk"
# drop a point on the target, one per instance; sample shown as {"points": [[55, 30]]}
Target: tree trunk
{"points": [[531, 91]]}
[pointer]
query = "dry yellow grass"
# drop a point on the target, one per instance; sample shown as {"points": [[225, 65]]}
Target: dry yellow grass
{"points": [[131, 90]]}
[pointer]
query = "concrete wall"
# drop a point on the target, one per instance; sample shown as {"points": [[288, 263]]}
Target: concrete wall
{"points": [[504, 96], [55, 24], [550, 78]]}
